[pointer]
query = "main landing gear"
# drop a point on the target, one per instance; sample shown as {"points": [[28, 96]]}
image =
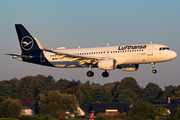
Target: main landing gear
{"points": [[105, 74], [90, 73], [153, 66]]}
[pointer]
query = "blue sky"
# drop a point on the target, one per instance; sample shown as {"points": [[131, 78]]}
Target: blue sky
{"points": [[91, 23]]}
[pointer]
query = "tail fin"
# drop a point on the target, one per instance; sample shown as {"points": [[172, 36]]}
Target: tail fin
{"points": [[27, 42]]}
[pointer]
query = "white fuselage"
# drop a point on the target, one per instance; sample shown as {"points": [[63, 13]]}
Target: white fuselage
{"points": [[125, 54]]}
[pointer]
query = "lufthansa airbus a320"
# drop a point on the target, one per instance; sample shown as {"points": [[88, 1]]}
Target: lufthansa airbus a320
{"points": [[124, 57]]}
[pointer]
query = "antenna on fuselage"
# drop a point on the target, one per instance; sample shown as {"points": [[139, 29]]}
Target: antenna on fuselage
{"points": [[107, 44]]}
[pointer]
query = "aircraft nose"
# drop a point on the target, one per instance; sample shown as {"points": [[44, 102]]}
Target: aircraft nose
{"points": [[173, 54]]}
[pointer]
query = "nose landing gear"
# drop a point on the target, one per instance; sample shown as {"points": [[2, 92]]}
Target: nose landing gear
{"points": [[154, 71]]}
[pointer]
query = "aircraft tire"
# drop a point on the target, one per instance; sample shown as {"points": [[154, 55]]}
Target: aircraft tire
{"points": [[154, 71], [90, 74], [105, 74]]}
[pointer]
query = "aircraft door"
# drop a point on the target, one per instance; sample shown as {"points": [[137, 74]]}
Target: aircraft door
{"points": [[42, 57], [150, 53], [150, 50]]}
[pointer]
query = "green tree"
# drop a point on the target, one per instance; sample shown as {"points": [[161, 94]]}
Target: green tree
{"points": [[177, 114], [49, 83], [5, 90], [98, 94], [62, 85], [51, 104], [126, 83], [80, 97], [28, 87], [86, 88], [169, 91], [176, 95], [127, 96], [10, 108], [142, 110], [152, 91], [162, 112], [70, 102], [55, 104]]}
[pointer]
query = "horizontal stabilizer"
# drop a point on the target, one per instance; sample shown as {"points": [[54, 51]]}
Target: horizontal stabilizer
{"points": [[18, 55]]}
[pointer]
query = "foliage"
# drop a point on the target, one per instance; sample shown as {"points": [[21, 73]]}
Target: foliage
{"points": [[5, 89], [36, 117], [28, 87], [170, 91], [55, 104], [126, 83], [104, 116], [70, 102], [10, 108], [80, 96], [142, 110], [162, 112], [176, 95], [28, 102], [98, 94], [177, 114], [8, 119], [127, 96], [62, 85], [152, 91], [101, 116], [49, 83], [51, 104]]}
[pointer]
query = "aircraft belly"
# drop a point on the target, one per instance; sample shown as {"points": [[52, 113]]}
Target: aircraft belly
{"points": [[66, 64]]}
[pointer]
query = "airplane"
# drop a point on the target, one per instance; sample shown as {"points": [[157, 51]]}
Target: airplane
{"points": [[124, 57]]}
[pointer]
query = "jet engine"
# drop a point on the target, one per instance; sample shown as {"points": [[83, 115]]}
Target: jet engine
{"points": [[129, 67], [108, 64]]}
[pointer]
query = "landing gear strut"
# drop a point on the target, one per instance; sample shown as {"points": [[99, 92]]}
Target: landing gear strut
{"points": [[105, 74], [90, 73], [153, 66]]}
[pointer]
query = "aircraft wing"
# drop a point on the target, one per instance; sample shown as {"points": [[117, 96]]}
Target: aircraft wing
{"points": [[86, 59]]}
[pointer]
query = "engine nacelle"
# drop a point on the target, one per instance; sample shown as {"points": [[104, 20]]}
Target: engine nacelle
{"points": [[129, 67], [109, 64]]}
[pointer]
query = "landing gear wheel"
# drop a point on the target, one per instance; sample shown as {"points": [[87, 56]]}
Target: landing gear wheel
{"points": [[154, 71], [153, 66], [105, 74], [90, 74]]}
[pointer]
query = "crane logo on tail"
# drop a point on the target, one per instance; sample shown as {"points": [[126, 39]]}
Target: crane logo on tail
{"points": [[27, 43]]}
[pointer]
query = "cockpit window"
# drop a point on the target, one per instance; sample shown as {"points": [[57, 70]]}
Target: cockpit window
{"points": [[164, 48]]}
